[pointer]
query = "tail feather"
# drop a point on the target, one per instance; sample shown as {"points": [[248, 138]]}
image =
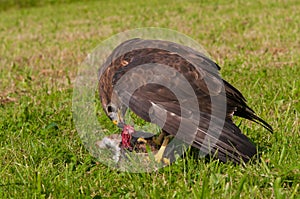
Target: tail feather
{"points": [[236, 99], [250, 115]]}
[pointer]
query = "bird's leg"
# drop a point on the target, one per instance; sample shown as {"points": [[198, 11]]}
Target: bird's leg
{"points": [[159, 155], [159, 140]]}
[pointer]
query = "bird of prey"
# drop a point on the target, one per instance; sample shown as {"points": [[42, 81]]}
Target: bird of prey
{"points": [[217, 100]]}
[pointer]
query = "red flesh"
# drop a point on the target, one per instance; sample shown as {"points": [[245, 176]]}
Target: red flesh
{"points": [[126, 136]]}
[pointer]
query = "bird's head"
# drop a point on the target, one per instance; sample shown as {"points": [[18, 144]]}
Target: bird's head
{"points": [[116, 115], [116, 110]]}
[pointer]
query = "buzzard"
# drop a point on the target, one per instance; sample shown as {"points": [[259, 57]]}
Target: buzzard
{"points": [[134, 75]]}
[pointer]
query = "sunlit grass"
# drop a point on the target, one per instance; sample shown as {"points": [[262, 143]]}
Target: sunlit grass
{"points": [[256, 43]]}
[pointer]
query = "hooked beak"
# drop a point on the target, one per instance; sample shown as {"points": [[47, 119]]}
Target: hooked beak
{"points": [[118, 119]]}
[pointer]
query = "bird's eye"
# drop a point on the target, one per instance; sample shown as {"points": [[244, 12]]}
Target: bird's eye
{"points": [[111, 108]]}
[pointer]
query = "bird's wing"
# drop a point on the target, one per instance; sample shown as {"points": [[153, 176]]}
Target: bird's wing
{"points": [[209, 133], [147, 88]]}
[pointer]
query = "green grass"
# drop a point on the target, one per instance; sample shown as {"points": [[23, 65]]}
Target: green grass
{"points": [[256, 43]]}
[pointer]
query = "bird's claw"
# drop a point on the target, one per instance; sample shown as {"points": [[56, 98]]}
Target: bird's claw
{"points": [[158, 157], [142, 140]]}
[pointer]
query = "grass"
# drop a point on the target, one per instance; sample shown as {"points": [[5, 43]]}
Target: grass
{"points": [[256, 43]]}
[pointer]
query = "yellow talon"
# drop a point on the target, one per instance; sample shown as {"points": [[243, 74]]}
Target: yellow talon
{"points": [[166, 161], [139, 140], [159, 155]]}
